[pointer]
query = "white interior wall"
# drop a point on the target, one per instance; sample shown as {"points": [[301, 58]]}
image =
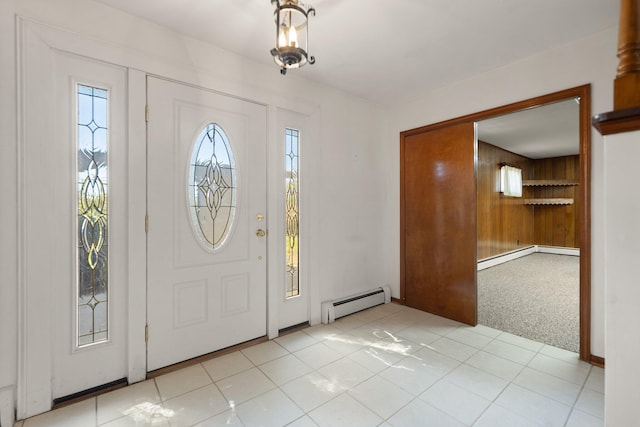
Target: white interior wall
{"points": [[590, 60], [344, 169], [621, 152]]}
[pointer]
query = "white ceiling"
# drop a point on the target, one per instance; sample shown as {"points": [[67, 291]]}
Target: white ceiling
{"points": [[549, 131], [389, 51]]}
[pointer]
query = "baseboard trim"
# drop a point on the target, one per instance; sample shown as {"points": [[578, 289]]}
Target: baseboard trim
{"points": [[506, 257], [597, 361], [7, 406], [519, 253], [558, 250]]}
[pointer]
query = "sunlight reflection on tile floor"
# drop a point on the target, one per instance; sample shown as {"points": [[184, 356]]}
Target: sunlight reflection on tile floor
{"points": [[386, 366]]}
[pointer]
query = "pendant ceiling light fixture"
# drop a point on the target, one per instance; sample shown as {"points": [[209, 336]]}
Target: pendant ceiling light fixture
{"points": [[292, 34]]}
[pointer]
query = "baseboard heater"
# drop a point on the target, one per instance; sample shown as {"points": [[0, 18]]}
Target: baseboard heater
{"points": [[332, 310]]}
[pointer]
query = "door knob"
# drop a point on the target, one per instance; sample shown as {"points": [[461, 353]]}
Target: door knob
{"points": [[260, 232]]}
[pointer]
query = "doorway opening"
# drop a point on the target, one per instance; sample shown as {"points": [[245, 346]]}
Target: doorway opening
{"points": [[527, 242], [465, 280]]}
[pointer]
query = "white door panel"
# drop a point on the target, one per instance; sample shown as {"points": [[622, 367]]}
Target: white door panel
{"points": [[202, 299], [77, 367], [292, 310]]}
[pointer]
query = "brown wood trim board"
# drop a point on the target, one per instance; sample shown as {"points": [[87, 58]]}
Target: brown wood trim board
{"points": [[619, 121], [597, 361]]}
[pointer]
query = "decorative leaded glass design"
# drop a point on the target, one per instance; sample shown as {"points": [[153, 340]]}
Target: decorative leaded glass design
{"points": [[92, 205], [292, 286], [212, 187]]}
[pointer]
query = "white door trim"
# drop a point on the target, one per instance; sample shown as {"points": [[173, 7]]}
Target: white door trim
{"points": [[137, 209], [272, 224], [34, 335]]}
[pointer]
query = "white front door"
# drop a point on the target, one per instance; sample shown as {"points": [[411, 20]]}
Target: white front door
{"points": [[85, 175], [206, 202]]}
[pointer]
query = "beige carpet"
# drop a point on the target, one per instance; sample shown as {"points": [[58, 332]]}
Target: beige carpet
{"points": [[536, 297]]}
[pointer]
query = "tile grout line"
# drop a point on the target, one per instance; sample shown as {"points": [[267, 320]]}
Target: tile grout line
{"points": [[401, 320]]}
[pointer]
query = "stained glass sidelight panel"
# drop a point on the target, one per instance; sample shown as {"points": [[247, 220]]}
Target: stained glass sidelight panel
{"points": [[92, 206], [292, 285], [212, 187]]}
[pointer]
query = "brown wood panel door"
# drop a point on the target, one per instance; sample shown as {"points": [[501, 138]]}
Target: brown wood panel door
{"points": [[438, 222]]}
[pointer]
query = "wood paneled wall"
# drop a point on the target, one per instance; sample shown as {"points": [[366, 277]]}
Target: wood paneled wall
{"points": [[556, 225], [504, 223]]}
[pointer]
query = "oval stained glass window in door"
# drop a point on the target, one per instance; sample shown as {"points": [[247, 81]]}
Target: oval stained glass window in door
{"points": [[212, 187]]}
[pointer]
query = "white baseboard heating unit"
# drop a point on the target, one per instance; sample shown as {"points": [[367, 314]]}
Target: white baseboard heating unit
{"points": [[332, 310]]}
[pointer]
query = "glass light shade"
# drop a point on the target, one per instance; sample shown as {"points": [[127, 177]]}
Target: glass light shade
{"points": [[291, 19]]}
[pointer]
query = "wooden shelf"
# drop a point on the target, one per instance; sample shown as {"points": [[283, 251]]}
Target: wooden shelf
{"points": [[551, 201], [548, 182]]}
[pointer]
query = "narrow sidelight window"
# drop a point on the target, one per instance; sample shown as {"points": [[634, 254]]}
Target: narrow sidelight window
{"points": [[292, 286], [92, 213]]}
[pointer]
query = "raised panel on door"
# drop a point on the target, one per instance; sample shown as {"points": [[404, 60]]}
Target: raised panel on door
{"points": [[438, 211], [204, 295]]}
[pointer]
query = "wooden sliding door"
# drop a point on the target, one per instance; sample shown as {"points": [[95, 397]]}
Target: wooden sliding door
{"points": [[438, 221]]}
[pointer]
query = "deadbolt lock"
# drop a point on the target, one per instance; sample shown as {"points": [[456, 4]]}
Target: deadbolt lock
{"points": [[260, 232]]}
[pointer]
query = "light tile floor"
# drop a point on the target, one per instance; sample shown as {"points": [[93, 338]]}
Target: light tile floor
{"points": [[386, 366]]}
